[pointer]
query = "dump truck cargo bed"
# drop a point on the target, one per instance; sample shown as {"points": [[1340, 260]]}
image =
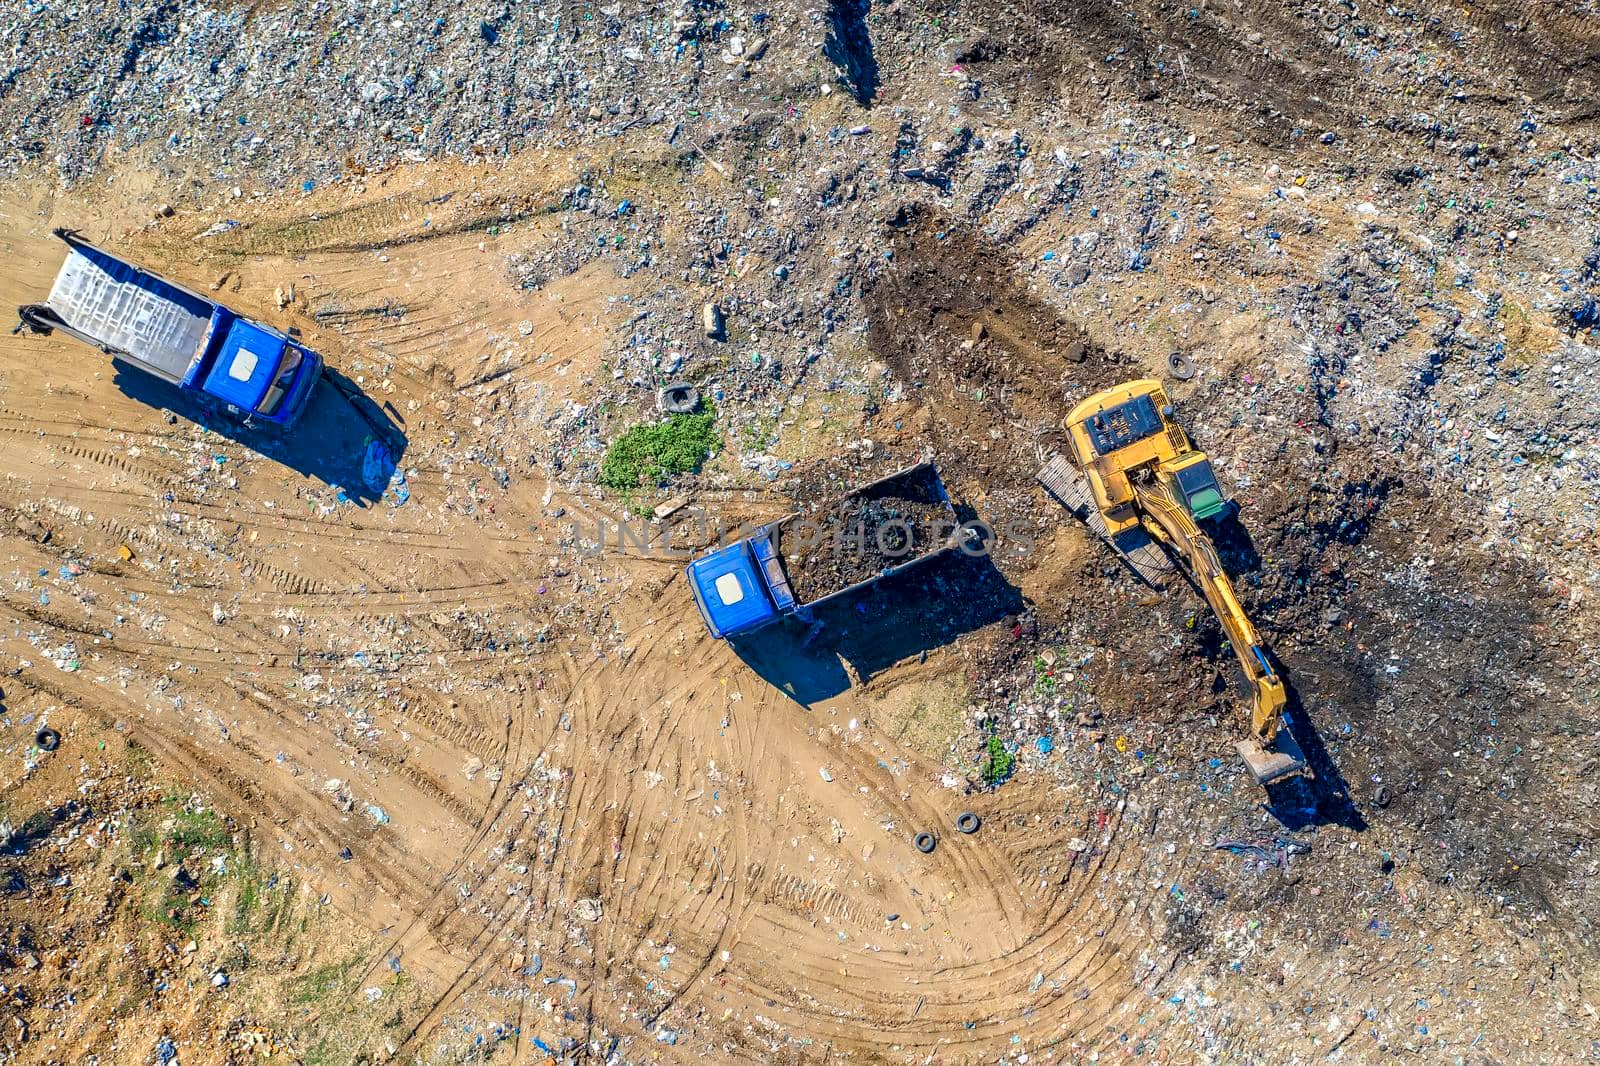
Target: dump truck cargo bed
{"points": [[137, 316], [855, 539]]}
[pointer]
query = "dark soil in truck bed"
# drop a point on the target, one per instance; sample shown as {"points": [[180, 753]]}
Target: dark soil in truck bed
{"points": [[833, 545]]}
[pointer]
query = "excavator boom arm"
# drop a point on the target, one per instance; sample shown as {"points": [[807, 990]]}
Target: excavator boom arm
{"points": [[1171, 521]]}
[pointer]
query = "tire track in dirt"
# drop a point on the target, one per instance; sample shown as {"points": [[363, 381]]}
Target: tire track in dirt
{"points": [[498, 818], [386, 874], [645, 747], [577, 847], [474, 742], [724, 893]]}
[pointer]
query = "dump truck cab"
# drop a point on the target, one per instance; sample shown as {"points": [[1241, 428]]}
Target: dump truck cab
{"points": [[741, 587], [262, 372]]}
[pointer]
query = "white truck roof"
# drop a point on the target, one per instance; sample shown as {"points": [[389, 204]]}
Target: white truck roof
{"points": [[151, 321]]}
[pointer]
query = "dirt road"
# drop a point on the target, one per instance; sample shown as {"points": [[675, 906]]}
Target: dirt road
{"points": [[495, 762]]}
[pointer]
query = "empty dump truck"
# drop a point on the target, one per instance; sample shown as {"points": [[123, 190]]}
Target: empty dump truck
{"points": [[175, 334]]}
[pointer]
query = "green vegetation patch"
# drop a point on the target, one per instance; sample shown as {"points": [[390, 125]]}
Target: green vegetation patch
{"points": [[998, 764], [328, 983], [646, 454]]}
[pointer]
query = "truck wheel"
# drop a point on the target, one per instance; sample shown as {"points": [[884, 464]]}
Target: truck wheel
{"points": [[967, 822], [35, 318], [678, 398], [47, 739], [1181, 366], [925, 842]]}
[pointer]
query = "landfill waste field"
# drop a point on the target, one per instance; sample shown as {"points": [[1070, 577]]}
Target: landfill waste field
{"points": [[394, 364]]}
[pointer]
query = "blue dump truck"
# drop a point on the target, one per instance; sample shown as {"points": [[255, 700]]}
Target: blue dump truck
{"points": [[179, 336], [827, 551]]}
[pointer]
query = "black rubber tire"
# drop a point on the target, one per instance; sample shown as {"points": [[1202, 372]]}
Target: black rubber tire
{"points": [[925, 842], [678, 398], [47, 739], [967, 822], [1382, 797], [1181, 366]]}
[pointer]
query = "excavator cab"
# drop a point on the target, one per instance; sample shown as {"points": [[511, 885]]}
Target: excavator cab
{"points": [[1190, 480]]}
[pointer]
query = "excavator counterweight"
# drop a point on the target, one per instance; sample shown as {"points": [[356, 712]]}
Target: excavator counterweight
{"points": [[1131, 474]]}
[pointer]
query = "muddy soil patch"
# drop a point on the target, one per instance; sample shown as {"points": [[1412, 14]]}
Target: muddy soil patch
{"points": [[1206, 58], [992, 366], [1441, 678]]}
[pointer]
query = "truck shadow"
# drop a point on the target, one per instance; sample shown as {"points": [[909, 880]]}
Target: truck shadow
{"points": [[345, 439], [862, 635]]}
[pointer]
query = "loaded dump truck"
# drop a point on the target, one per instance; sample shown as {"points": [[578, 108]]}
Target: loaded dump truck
{"points": [[828, 551], [177, 335]]}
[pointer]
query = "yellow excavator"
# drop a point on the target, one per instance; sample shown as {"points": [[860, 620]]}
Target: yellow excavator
{"points": [[1133, 477]]}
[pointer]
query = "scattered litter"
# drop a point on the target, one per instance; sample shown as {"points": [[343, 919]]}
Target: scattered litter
{"points": [[1275, 851]]}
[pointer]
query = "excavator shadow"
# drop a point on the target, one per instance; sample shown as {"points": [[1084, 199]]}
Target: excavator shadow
{"points": [[1235, 547], [345, 439], [1325, 798], [860, 636], [1296, 802]]}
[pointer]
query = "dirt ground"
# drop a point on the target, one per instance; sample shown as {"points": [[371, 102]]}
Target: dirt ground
{"points": [[415, 735]]}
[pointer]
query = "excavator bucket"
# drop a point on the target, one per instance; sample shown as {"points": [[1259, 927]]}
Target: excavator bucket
{"points": [[1283, 759]]}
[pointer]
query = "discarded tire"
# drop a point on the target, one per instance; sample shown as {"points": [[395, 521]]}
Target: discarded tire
{"points": [[47, 739], [967, 822], [925, 842], [1181, 366], [678, 398], [1382, 796]]}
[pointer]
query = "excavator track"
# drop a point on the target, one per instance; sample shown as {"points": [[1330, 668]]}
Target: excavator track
{"points": [[1134, 547]]}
